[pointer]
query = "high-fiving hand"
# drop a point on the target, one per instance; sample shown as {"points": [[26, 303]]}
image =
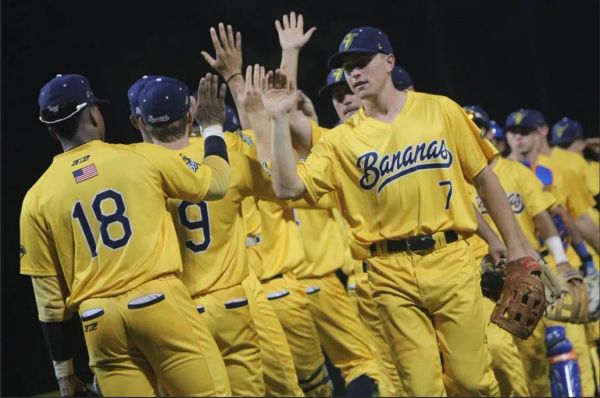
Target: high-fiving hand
{"points": [[228, 51], [278, 93], [210, 106], [291, 32]]}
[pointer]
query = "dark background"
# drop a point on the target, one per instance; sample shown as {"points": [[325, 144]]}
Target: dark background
{"points": [[501, 55]]}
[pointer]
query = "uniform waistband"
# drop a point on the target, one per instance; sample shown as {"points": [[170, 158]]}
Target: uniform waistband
{"points": [[414, 244]]}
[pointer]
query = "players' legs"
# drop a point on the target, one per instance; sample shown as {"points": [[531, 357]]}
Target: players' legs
{"points": [[533, 356], [292, 308], [342, 335], [278, 365], [171, 334], [227, 315], [407, 327], [454, 298], [367, 309], [506, 360], [120, 368]]}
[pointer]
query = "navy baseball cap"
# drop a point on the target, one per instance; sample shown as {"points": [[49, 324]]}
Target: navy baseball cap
{"points": [[163, 100], [64, 96], [526, 118], [133, 94], [477, 115], [334, 77], [401, 78], [361, 40], [497, 131], [566, 131], [232, 120]]}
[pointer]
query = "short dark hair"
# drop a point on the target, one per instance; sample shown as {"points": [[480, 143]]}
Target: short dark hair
{"points": [[170, 132], [67, 128]]}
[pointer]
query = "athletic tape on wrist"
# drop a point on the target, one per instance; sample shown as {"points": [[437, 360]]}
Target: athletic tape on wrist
{"points": [[215, 130], [554, 244], [63, 368]]}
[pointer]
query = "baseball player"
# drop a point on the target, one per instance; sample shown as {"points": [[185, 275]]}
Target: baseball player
{"points": [[211, 236], [531, 206], [398, 146], [526, 132], [342, 336], [89, 248], [278, 364]]}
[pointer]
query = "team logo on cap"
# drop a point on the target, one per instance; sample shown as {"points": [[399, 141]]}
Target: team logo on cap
{"points": [[518, 117], [348, 39], [560, 130], [337, 74]]}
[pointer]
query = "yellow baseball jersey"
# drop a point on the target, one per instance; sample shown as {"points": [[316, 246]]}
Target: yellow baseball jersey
{"points": [[323, 255], [106, 227], [577, 165], [526, 196], [592, 177], [212, 235], [564, 184], [280, 249], [403, 178]]}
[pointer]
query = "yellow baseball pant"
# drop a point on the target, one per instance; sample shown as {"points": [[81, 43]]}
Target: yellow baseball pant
{"points": [[505, 357], [342, 335], [227, 316], [152, 334], [293, 310], [390, 385], [278, 365], [431, 302]]}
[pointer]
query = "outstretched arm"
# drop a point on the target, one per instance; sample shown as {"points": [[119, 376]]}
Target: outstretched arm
{"points": [[279, 97], [228, 62]]}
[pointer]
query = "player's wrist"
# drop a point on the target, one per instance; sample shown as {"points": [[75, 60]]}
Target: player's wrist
{"points": [[229, 77], [63, 369]]}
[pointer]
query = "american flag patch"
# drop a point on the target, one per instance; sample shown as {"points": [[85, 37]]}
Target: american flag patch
{"points": [[85, 173]]}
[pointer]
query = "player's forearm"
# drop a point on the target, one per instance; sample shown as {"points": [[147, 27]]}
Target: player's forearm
{"points": [[484, 231], [301, 132], [589, 231], [286, 183], [289, 63], [238, 81], [261, 125], [56, 321], [495, 201], [548, 232], [217, 160]]}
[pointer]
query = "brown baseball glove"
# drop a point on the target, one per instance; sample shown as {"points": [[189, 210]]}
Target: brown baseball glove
{"points": [[572, 306], [522, 302]]}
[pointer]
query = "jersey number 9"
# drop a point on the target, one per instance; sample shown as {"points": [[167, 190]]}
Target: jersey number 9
{"points": [[192, 225]]}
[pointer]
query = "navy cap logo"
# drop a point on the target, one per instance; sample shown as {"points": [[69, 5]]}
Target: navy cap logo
{"points": [[560, 130], [348, 39], [518, 117], [338, 74]]}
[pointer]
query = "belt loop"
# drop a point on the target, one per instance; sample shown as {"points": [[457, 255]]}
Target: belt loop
{"points": [[384, 247], [440, 239]]}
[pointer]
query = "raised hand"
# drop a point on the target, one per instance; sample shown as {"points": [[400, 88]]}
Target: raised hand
{"points": [[210, 106], [228, 51], [278, 94], [306, 106], [291, 32], [250, 96]]}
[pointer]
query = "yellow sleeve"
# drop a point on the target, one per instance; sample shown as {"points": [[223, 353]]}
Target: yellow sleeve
{"points": [[221, 173], [318, 172], [182, 177], [473, 151], [592, 177], [316, 131], [50, 297], [38, 251], [536, 199], [242, 141], [254, 178], [578, 198]]}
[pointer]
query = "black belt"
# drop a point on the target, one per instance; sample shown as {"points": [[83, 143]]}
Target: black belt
{"points": [[276, 276], [414, 244]]}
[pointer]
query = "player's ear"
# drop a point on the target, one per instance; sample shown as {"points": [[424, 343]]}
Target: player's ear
{"points": [[94, 115], [390, 61], [134, 122]]}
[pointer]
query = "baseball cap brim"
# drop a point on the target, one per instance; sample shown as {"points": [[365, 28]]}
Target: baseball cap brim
{"points": [[326, 90], [335, 61], [77, 108]]}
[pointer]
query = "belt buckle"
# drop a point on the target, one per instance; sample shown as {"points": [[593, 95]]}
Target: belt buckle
{"points": [[422, 240]]}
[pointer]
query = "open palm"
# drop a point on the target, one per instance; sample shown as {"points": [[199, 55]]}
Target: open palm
{"points": [[279, 94]]}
